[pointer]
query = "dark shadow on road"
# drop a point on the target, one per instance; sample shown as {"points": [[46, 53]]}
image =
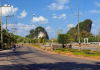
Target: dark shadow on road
{"points": [[17, 53], [52, 66], [98, 63]]}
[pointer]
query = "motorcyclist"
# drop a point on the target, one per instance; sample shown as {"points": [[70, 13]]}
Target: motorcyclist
{"points": [[14, 47]]}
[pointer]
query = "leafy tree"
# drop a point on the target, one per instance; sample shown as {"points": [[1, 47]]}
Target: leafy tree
{"points": [[73, 33], [85, 30], [41, 29], [85, 25], [64, 39], [34, 33], [8, 38], [94, 38]]}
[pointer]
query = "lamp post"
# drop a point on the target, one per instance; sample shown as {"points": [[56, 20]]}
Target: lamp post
{"points": [[1, 22]]}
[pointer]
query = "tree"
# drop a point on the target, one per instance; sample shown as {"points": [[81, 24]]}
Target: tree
{"points": [[73, 33], [41, 29], [39, 33], [32, 34], [85, 30], [85, 25], [8, 38], [94, 38], [64, 39]]}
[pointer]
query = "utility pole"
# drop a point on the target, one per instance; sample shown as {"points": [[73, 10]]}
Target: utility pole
{"points": [[78, 20], [1, 24]]}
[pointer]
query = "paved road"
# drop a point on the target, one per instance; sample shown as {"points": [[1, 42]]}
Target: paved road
{"points": [[28, 58]]}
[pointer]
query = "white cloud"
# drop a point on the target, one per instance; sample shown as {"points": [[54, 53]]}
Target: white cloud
{"points": [[61, 16], [95, 11], [22, 29], [23, 14], [20, 26], [40, 19], [8, 10], [97, 4], [59, 5], [25, 26], [70, 26]]}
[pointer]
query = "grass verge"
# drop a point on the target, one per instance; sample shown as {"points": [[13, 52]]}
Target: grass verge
{"points": [[85, 54], [79, 52]]}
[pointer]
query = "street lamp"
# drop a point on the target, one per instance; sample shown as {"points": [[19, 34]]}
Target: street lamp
{"points": [[1, 21]]}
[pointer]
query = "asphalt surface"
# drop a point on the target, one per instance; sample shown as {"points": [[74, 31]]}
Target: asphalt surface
{"points": [[28, 58]]}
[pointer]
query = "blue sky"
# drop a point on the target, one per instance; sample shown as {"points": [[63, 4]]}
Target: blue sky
{"points": [[56, 16]]}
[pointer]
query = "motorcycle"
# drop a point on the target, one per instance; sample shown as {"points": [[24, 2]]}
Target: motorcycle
{"points": [[14, 49]]}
